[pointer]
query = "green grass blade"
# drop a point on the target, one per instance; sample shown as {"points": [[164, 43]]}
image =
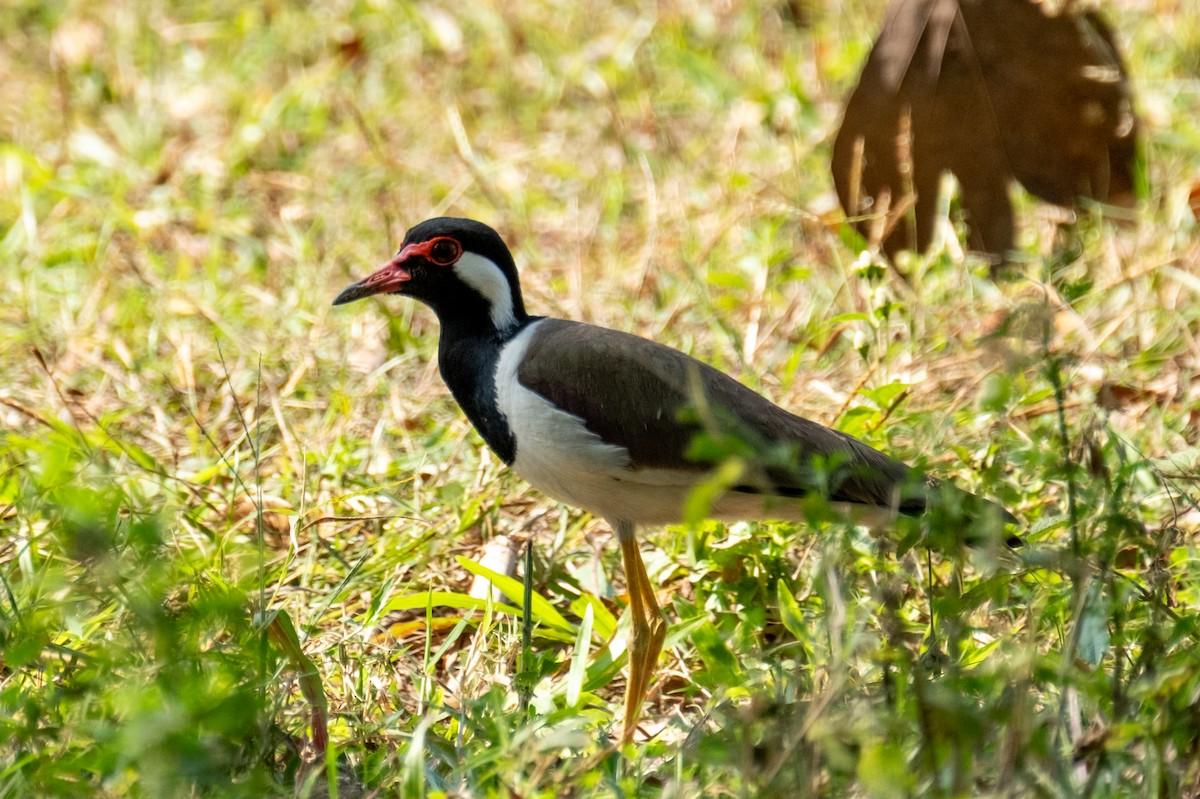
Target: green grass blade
{"points": [[579, 659], [512, 588]]}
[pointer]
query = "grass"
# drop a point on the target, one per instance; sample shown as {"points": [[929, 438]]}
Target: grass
{"points": [[185, 187]]}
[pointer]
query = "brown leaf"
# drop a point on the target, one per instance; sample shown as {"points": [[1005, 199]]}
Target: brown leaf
{"points": [[1093, 741], [1128, 558], [351, 48], [275, 523], [1160, 392], [989, 90]]}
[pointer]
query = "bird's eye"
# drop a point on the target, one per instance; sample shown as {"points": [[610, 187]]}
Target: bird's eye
{"points": [[445, 251]]}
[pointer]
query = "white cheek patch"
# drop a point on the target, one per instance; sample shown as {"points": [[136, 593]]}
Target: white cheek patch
{"points": [[485, 277]]}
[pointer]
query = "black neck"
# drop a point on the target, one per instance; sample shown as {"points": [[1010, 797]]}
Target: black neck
{"points": [[468, 355]]}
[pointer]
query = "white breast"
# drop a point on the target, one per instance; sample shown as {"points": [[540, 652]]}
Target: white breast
{"points": [[560, 457]]}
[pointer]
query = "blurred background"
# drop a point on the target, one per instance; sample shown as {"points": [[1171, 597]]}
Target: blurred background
{"points": [[185, 187]]}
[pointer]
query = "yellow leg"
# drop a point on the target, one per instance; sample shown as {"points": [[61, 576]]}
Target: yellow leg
{"points": [[647, 625]]}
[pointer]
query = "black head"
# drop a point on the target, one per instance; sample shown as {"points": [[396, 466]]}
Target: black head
{"points": [[459, 267]]}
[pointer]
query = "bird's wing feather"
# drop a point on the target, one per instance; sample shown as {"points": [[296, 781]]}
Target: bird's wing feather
{"points": [[633, 393]]}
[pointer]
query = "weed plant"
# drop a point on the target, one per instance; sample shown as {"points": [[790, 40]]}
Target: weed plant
{"points": [[240, 528]]}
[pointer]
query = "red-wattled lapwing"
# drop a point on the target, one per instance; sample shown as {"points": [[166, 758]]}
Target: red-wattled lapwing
{"points": [[605, 420]]}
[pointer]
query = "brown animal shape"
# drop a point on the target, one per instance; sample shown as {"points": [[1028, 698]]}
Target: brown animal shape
{"points": [[989, 90]]}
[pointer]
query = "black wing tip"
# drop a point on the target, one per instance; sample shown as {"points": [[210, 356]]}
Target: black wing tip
{"points": [[1007, 519], [983, 514], [994, 512]]}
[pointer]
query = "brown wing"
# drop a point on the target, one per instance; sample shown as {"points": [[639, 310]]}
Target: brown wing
{"points": [[654, 401]]}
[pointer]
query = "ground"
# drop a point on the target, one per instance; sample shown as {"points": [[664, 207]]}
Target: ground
{"points": [[184, 188]]}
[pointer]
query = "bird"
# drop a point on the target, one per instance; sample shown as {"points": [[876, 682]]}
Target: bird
{"points": [[609, 422]]}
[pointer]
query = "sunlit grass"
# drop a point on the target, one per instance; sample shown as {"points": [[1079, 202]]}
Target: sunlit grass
{"points": [[184, 188]]}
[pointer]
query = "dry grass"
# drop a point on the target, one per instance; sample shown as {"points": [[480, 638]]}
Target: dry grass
{"points": [[183, 189]]}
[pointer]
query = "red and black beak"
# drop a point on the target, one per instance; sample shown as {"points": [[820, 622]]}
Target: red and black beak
{"points": [[396, 272], [388, 280]]}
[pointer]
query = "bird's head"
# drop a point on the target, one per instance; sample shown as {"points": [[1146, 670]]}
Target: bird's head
{"points": [[459, 267]]}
